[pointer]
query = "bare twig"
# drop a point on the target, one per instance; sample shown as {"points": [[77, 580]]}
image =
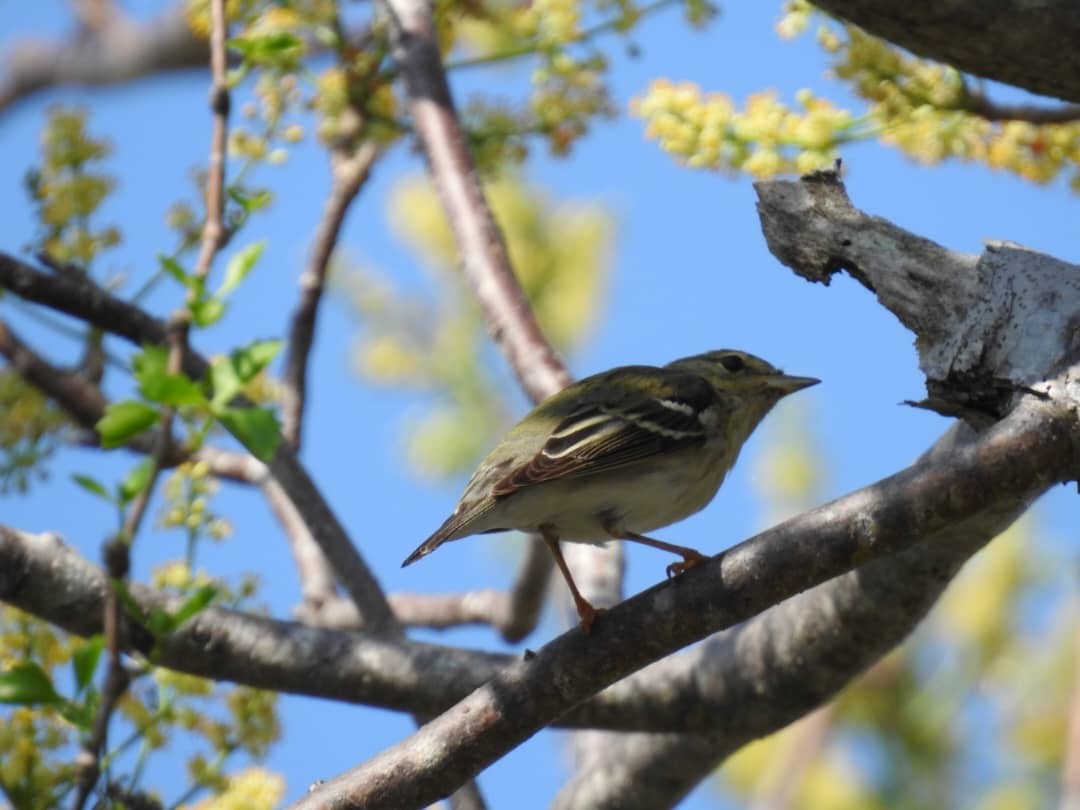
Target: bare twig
{"points": [[118, 563], [513, 613], [213, 227], [977, 103], [350, 171]]}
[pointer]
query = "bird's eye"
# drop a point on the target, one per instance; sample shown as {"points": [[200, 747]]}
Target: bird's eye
{"points": [[732, 362]]}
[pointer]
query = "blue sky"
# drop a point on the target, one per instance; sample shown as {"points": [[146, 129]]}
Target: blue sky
{"points": [[690, 272]]}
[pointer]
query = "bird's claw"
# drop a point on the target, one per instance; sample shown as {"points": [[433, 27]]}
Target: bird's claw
{"points": [[588, 617], [689, 561]]}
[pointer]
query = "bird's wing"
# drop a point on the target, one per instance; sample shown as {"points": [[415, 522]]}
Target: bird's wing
{"points": [[628, 425]]}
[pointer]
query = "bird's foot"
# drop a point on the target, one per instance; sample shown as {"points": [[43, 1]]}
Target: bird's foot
{"points": [[587, 614], [690, 559]]}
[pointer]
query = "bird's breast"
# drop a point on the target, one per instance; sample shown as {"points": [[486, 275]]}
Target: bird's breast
{"points": [[639, 498]]}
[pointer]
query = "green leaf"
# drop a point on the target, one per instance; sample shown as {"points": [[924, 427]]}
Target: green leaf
{"points": [[250, 201], [92, 485], [85, 659], [254, 357], [136, 482], [29, 685], [158, 385], [269, 48], [123, 421], [225, 381], [195, 603], [229, 374], [207, 312], [173, 268], [256, 428], [239, 266], [81, 714], [160, 622]]}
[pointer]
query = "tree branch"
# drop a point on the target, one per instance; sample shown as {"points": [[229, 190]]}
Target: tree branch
{"points": [[977, 103], [514, 613], [83, 299], [117, 51], [350, 171], [1014, 461], [1014, 45], [117, 554], [213, 234], [486, 262], [78, 396]]}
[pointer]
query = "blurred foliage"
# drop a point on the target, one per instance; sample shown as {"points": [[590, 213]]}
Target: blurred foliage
{"points": [[438, 342], [68, 190], [930, 111], [357, 100], [219, 723], [30, 431], [994, 662]]}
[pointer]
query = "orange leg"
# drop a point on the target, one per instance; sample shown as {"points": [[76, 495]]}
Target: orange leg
{"points": [[586, 612], [690, 557]]}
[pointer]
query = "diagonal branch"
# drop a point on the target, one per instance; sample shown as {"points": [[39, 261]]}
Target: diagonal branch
{"points": [[1014, 461], [743, 684], [350, 171], [81, 398], [485, 260]]}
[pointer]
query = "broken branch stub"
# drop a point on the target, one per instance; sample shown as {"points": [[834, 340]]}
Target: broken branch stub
{"points": [[988, 329]]}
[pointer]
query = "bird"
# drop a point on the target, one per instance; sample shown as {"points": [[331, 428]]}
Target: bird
{"points": [[619, 454]]}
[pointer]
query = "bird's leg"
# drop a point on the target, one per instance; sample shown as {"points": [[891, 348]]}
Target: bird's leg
{"points": [[586, 612], [690, 557]]}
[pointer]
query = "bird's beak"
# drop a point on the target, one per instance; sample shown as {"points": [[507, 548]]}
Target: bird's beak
{"points": [[789, 385]]}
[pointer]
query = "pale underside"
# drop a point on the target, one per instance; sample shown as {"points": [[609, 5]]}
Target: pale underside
{"points": [[594, 508]]}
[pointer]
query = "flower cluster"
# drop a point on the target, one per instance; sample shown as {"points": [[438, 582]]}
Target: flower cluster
{"points": [[765, 138], [68, 190], [188, 492]]}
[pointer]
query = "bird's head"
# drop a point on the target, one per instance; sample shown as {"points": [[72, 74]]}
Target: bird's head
{"points": [[743, 373]]}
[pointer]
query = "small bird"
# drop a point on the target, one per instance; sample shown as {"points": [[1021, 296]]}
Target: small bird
{"points": [[619, 454]]}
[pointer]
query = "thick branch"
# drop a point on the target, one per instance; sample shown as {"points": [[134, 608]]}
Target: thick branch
{"points": [[745, 683], [1019, 458], [117, 51], [765, 674], [984, 328], [1012, 41]]}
